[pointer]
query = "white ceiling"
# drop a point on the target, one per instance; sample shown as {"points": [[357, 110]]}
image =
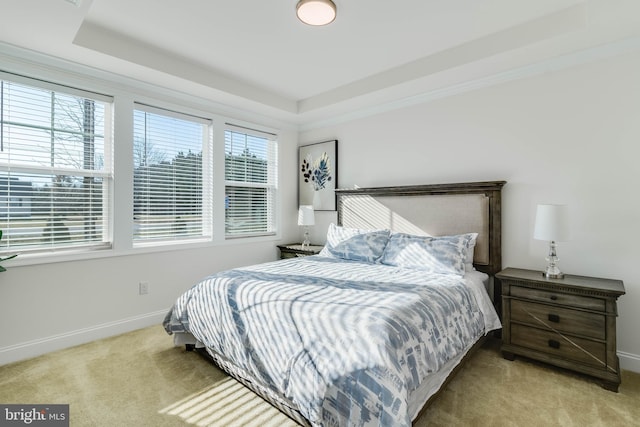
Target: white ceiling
{"points": [[255, 54]]}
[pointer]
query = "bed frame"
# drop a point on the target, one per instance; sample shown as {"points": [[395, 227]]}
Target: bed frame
{"points": [[441, 209]]}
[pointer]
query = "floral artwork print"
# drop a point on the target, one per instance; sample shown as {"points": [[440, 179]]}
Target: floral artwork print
{"points": [[317, 174]]}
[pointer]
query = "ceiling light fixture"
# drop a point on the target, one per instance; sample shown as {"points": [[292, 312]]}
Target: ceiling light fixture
{"points": [[316, 12]]}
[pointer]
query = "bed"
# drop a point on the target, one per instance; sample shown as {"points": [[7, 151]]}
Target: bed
{"points": [[367, 332]]}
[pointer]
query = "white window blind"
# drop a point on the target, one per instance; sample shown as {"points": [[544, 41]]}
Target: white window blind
{"points": [[250, 182], [171, 188], [55, 167]]}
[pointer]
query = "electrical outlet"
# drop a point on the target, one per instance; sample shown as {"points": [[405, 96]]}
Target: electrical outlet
{"points": [[143, 288]]}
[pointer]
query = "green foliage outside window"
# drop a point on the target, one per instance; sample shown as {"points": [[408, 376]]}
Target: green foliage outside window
{"points": [[5, 258]]}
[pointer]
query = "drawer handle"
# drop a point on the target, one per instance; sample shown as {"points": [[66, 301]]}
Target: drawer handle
{"points": [[554, 318], [554, 297], [554, 344]]}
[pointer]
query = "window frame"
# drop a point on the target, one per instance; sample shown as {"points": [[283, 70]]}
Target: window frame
{"points": [[106, 173], [207, 177], [271, 186]]}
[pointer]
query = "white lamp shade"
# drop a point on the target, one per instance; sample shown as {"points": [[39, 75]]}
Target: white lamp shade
{"points": [[305, 215], [316, 12], [552, 223]]}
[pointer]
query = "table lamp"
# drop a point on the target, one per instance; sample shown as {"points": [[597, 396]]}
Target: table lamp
{"points": [[552, 224], [305, 219]]}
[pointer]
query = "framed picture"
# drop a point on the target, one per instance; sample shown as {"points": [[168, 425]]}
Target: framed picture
{"points": [[318, 175]]}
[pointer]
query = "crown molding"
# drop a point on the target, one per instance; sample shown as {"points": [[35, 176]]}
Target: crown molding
{"points": [[563, 62]]}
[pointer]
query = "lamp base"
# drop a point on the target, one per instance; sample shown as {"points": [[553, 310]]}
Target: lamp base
{"points": [[548, 275], [306, 243], [552, 271]]}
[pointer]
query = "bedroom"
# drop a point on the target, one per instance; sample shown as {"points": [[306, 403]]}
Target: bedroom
{"points": [[562, 130]]}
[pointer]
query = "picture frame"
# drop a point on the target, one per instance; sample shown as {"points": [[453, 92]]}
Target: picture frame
{"points": [[318, 175]]}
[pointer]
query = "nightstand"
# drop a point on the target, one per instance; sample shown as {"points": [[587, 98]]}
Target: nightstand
{"points": [[293, 250], [570, 322]]}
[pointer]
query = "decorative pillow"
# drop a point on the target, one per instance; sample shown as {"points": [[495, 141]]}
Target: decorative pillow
{"points": [[444, 254], [355, 244], [468, 266]]}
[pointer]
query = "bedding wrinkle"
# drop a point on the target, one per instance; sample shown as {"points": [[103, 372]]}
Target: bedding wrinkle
{"points": [[262, 321], [304, 357], [235, 297]]}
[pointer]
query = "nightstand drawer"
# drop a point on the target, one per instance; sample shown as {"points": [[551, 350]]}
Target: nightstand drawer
{"points": [[559, 318], [558, 298], [581, 350]]}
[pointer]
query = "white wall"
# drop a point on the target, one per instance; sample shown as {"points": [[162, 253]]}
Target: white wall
{"points": [[568, 136], [49, 306]]}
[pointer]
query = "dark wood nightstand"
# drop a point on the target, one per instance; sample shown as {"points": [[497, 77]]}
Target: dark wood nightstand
{"points": [[570, 322], [293, 250]]}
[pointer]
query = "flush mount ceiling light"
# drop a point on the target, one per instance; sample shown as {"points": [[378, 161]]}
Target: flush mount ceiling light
{"points": [[316, 12]]}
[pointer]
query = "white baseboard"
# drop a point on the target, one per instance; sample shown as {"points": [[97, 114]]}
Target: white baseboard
{"points": [[629, 362], [33, 348]]}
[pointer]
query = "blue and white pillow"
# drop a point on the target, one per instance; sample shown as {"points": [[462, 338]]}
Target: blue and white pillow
{"points": [[443, 254], [355, 244]]}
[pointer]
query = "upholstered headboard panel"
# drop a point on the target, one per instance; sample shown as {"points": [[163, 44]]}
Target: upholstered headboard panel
{"points": [[433, 215], [440, 209]]}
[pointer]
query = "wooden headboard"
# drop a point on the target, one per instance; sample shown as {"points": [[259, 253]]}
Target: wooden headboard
{"points": [[436, 210]]}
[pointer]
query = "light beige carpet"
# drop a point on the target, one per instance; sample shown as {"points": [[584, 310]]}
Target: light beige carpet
{"points": [[141, 379]]}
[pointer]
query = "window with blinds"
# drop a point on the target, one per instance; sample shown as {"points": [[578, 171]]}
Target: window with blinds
{"points": [[250, 182], [55, 167], [171, 188]]}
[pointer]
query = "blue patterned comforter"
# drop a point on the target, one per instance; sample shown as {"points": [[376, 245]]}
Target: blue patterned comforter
{"points": [[343, 342]]}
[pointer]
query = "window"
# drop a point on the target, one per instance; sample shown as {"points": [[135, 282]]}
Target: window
{"points": [[58, 168], [250, 182], [171, 179], [55, 167]]}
